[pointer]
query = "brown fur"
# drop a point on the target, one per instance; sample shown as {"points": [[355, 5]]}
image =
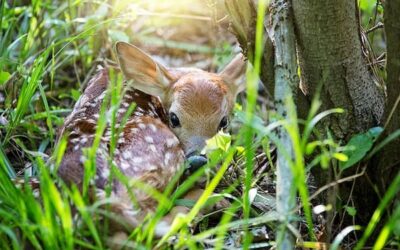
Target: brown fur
{"points": [[148, 149]]}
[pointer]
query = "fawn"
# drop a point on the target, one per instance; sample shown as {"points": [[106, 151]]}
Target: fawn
{"points": [[177, 110]]}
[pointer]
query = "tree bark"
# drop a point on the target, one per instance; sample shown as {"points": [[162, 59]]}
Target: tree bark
{"points": [[332, 65], [329, 50]]}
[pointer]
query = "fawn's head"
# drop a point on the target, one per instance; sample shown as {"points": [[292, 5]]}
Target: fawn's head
{"points": [[198, 103]]}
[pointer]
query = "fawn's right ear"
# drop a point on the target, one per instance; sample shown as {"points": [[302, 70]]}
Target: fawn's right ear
{"points": [[146, 75]]}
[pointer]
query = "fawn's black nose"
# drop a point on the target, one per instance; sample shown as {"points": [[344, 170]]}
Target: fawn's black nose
{"points": [[196, 161]]}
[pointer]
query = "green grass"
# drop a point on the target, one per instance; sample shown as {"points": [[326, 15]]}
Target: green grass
{"points": [[48, 50]]}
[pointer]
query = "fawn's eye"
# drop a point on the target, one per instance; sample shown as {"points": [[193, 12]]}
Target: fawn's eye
{"points": [[224, 123], [174, 120]]}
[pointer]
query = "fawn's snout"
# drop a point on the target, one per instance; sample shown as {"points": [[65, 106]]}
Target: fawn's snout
{"points": [[195, 161]]}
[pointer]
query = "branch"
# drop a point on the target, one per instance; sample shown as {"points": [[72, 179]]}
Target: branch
{"points": [[286, 82]]}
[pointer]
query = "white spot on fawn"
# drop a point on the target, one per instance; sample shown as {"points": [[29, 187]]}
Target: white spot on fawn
{"points": [[125, 165], [142, 126], [75, 140], [84, 140], [153, 127], [149, 139], [167, 158], [153, 148], [127, 155], [137, 160], [171, 142], [106, 173], [121, 110], [82, 159]]}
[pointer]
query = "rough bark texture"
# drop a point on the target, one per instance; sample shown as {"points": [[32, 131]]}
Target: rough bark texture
{"points": [[286, 86], [330, 56], [329, 50]]}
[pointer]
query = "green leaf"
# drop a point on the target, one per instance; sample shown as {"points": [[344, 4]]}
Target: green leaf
{"points": [[325, 161], [367, 5], [341, 157], [219, 141], [351, 210], [240, 150], [310, 147], [185, 202], [75, 94], [358, 147], [4, 76]]}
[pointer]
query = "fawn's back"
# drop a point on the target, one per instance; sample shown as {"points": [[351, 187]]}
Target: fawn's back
{"points": [[177, 110]]}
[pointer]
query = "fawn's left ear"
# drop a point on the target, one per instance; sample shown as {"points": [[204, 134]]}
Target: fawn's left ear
{"points": [[233, 74], [146, 75]]}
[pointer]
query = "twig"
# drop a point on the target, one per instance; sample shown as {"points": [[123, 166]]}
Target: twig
{"points": [[377, 26], [332, 184]]}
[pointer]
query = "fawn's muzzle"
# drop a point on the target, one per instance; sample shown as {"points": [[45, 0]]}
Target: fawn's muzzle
{"points": [[195, 161]]}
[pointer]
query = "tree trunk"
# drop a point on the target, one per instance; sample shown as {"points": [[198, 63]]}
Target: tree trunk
{"points": [[332, 64], [330, 54]]}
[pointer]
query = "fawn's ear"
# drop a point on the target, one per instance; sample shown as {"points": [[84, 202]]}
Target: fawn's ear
{"points": [[233, 74], [146, 75]]}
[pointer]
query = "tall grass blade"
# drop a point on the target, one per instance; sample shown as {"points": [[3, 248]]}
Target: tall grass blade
{"points": [[393, 189]]}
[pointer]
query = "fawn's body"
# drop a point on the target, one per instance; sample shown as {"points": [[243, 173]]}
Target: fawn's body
{"points": [[177, 111]]}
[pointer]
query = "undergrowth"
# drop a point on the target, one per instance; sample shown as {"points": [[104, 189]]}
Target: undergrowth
{"points": [[49, 50]]}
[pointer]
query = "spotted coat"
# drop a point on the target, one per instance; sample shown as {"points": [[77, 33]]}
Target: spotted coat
{"points": [[146, 149]]}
